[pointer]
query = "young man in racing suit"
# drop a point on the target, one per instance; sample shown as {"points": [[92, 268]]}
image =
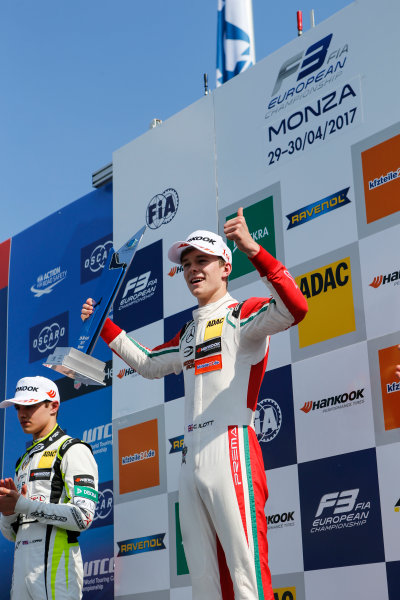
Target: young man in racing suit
{"points": [[223, 354], [51, 500]]}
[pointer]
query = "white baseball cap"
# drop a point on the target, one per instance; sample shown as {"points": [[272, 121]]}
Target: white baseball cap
{"points": [[205, 241], [32, 390]]}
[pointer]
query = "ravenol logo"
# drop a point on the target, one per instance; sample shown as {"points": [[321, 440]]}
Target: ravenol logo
{"points": [[162, 208], [260, 221], [316, 209], [267, 420], [329, 292], [94, 257], [43, 338], [149, 543]]}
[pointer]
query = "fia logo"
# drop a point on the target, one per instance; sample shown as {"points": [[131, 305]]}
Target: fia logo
{"points": [[162, 208], [267, 420]]}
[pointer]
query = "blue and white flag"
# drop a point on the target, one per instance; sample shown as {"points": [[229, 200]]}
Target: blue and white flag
{"points": [[235, 40]]}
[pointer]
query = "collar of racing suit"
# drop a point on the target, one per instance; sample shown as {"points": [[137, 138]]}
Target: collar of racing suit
{"points": [[204, 312]]}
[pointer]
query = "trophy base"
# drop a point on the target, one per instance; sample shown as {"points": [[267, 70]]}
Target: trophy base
{"points": [[77, 365]]}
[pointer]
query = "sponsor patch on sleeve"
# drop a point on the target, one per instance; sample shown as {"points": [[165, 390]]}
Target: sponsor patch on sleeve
{"points": [[207, 364], [85, 503], [85, 492], [85, 480]]}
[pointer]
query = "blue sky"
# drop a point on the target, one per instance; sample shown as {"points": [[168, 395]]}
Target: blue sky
{"points": [[81, 78]]}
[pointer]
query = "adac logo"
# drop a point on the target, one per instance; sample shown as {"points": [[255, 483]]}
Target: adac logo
{"points": [[47, 335], [137, 290], [285, 593], [162, 208], [149, 543], [379, 280], [339, 510], [126, 372], [346, 399], [46, 282], [329, 292], [94, 257], [175, 270], [316, 209], [397, 506], [315, 68], [267, 420], [176, 444]]}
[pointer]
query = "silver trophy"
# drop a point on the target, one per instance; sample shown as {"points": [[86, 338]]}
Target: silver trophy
{"points": [[78, 363]]}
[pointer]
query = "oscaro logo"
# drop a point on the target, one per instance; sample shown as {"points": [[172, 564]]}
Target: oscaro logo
{"points": [[48, 337], [267, 420], [97, 259], [162, 208], [104, 504]]}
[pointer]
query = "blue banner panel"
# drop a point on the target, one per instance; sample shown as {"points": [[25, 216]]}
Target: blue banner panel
{"points": [[3, 363], [393, 577], [97, 546], [45, 282], [89, 419], [6, 562], [140, 299], [340, 511], [274, 419], [173, 384]]}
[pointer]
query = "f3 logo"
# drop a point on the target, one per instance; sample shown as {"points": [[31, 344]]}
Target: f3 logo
{"points": [[343, 502], [314, 58]]}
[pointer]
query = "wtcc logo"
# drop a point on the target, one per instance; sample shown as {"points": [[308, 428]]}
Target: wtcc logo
{"points": [[162, 208], [94, 257], [267, 420], [137, 289], [342, 510], [43, 338]]}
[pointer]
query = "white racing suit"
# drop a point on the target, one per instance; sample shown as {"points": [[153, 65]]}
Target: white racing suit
{"points": [[222, 493], [62, 480]]}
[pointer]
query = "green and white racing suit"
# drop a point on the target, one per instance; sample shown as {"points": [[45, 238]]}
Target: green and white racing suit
{"points": [[61, 475]]}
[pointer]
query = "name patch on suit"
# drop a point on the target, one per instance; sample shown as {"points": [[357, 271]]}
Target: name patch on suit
{"points": [[214, 328], [207, 364]]}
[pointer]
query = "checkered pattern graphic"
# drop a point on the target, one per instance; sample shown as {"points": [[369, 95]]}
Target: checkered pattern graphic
{"points": [[313, 162]]}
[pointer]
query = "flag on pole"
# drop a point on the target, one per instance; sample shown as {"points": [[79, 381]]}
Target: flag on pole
{"points": [[235, 38]]}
